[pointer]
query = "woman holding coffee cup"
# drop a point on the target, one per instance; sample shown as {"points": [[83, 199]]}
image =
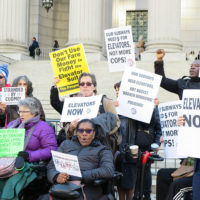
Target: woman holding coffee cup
{"points": [[135, 135]]}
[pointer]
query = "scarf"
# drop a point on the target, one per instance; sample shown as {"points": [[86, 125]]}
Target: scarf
{"points": [[19, 124]]}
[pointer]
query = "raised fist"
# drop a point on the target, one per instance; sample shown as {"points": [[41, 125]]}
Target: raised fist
{"points": [[160, 53]]}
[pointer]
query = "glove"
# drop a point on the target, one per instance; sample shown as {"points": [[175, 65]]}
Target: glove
{"points": [[19, 163], [24, 155]]}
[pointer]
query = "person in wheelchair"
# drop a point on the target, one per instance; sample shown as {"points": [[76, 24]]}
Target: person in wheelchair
{"points": [[39, 141], [95, 160]]}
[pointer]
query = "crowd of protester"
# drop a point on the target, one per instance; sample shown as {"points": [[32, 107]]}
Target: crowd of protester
{"points": [[98, 156]]}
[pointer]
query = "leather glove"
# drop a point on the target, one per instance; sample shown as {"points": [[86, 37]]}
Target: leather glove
{"points": [[24, 155]]}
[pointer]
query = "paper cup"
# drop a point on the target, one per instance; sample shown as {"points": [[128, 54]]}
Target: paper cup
{"points": [[134, 150]]}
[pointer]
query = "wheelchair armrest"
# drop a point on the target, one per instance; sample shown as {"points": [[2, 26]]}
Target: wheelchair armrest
{"points": [[117, 175], [99, 182], [65, 191], [39, 167]]}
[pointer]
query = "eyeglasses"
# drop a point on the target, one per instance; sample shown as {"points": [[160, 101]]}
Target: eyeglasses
{"points": [[87, 84], [1, 77], [23, 112], [81, 131]]}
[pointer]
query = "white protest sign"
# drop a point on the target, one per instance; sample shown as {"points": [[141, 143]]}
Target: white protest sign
{"points": [[120, 48], [66, 163], [169, 113], [137, 92], [80, 108], [12, 95], [189, 133], [0, 96]]}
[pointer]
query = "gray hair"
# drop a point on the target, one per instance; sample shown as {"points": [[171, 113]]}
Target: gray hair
{"points": [[28, 82], [32, 104]]}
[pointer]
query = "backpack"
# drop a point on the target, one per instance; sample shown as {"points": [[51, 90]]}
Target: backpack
{"points": [[110, 141], [37, 51]]}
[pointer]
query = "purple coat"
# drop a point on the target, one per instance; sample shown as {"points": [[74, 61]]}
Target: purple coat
{"points": [[41, 142]]}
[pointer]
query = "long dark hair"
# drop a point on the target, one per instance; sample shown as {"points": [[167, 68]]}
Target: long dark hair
{"points": [[29, 84]]}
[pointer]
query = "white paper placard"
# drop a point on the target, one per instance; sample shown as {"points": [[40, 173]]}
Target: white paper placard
{"points": [[169, 113], [137, 92], [80, 108], [120, 48], [189, 133], [12, 95], [66, 163]]}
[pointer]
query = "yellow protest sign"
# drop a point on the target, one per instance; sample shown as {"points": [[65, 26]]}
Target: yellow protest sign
{"points": [[68, 64]]}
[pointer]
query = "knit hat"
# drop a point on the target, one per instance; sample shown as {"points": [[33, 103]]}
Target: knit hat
{"points": [[196, 62], [4, 71]]}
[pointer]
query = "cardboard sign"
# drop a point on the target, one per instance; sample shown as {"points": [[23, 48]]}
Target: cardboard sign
{"points": [[80, 108], [189, 133], [120, 49], [66, 163], [68, 64], [137, 92], [11, 142], [12, 95], [169, 113]]}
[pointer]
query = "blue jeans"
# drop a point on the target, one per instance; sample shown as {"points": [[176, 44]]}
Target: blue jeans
{"points": [[196, 180]]}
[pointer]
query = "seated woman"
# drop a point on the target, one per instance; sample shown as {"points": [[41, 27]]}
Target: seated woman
{"points": [[39, 144], [42, 139], [95, 160]]}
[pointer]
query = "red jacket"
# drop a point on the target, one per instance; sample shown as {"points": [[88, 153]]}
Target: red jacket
{"points": [[6, 85]]}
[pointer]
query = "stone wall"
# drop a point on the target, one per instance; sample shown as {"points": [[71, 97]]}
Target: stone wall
{"points": [[47, 27]]}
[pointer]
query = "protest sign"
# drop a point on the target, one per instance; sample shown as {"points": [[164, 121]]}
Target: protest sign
{"points": [[189, 133], [120, 49], [68, 64], [168, 120], [137, 92], [12, 95], [0, 96], [80, 108], [11, 142], [66, 163]]}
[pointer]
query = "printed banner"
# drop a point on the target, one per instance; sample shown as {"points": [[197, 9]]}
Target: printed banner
{"points": [[66, 163], [80, 108], [11, 142], [137, 92], [12, 95], [189, 133], [120, 48], [168, 120], [68, 64]]}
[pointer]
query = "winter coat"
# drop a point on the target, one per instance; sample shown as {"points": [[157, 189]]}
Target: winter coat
{"points": [[95, 161], [41, 142], [176, 86]]}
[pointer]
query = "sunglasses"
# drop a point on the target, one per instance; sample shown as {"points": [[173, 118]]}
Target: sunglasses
{"points": [[1, 77], [87, 84], [88, 131]]}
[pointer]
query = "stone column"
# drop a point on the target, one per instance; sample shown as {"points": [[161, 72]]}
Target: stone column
{"points": [[164, 25], [14, 26], [86, 24]]}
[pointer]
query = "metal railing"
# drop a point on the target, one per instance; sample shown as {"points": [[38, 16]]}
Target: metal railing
{"points": [[44, 53]]}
